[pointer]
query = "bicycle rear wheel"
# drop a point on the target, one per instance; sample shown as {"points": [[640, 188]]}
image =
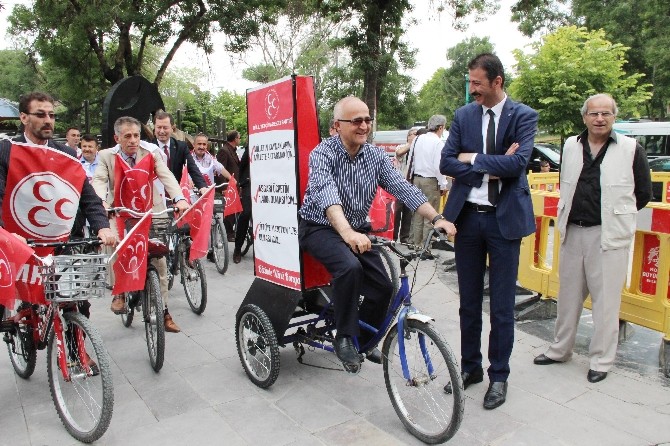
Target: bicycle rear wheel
{"points": [[132, 300], [426, 410], [248, 241], [194, 281], [257, 345], [20, 344], [219, 246], [85, 402], [154, 319]]}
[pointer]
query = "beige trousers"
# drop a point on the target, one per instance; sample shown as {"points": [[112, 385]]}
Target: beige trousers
{"points": [[585, 268], [420, 226]]}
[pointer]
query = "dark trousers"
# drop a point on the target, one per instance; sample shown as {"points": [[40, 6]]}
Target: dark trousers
{"points": [[479, 235], [353, 275], [402, 222], [243, 218]]}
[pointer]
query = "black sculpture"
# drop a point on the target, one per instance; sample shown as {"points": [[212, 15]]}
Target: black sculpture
{"points": [[131, 96]]}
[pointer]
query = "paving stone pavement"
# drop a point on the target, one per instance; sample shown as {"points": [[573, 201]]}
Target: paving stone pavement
{"points": [[202, 395]]}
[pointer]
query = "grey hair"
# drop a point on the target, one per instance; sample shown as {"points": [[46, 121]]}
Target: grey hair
{"points": [[615, 109], [436, 121], [125, 120]]}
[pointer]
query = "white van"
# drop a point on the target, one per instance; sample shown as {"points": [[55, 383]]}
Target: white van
{"points": [[653, 136]]}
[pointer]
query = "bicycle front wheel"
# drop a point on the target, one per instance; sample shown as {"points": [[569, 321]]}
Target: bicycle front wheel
{"points": [[219, 246], [20, 344], [154, 319], [426, 410], [390, 262], [194, 281], [85, 400]]}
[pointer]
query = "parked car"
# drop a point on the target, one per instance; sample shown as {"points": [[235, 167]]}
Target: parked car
{"points": [[549, 152], [660, 164]]}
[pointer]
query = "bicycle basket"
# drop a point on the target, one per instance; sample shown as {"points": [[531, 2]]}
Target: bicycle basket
{"points": [[74, 277], [219, 204]]}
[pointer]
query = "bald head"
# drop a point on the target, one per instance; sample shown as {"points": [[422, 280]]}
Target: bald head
{"points": [[345, 104]]}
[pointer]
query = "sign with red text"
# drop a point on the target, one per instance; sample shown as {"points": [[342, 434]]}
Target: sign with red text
{"points": [[280, 126]]}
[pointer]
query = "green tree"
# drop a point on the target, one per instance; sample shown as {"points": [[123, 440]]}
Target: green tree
{"points": [[445, 91], [112, 37], [18, 74], [568, 66], [233, 108], [374, 29], [644, 27]]}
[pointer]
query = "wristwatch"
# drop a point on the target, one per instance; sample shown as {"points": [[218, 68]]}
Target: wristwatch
{"points": [[436, 218]]}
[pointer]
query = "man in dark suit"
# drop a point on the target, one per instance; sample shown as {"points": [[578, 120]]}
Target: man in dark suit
{"points": [[227, 155], [489, 145], [175, 153]]}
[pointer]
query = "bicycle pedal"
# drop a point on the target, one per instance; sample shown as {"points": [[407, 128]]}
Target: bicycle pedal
{"points": [[352, 369]]}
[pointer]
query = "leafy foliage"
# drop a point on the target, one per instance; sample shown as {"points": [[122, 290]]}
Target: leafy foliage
{"points": [[642, 26], [445, 91], [568, 66]]}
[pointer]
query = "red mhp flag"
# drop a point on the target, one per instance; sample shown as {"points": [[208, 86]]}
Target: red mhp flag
{"points": [[382, 213], [42, 192], [186, 185], [130, 258], [133, 187], [13, 255], [199, 217], [232, 196]]}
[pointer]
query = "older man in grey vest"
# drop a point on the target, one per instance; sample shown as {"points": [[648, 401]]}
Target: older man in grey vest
{"points": [[605, 180]]}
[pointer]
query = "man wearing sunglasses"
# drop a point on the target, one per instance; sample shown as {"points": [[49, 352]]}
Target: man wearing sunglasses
{"points": [[344, 172], [605, 180], [38, 119]]}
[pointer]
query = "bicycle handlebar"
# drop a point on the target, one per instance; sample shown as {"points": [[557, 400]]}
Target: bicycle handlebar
{"points": [[65, 243], [382, 241], [140, 214]]}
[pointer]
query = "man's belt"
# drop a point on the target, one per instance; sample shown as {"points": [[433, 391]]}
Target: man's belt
{"points": [[582, 223], [479, 207]]}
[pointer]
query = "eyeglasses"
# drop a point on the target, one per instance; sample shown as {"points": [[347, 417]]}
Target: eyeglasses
{"points": [[602, 114], [357, 121], [42, 115]]}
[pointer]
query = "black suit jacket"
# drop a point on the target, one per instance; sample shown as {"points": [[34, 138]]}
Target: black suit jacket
{"points": [[90, 205], [180, 155]]}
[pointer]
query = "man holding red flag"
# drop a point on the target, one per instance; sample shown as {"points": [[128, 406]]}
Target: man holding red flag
{"points": [[126, 176], [45, 191], [37, 116]]}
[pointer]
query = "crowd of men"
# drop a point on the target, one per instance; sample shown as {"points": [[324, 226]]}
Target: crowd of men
{"points": [[605, 180]]}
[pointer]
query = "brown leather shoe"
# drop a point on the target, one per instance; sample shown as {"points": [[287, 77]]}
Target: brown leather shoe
{"points": [[170, 325], [237, 255], [119, 304]]}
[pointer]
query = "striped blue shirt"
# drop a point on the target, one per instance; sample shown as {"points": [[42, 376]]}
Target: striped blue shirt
{"points": [[336, 178]]}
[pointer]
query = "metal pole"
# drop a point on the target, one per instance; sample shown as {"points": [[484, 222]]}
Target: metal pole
{"points": [[179, 119], [204, 122]]}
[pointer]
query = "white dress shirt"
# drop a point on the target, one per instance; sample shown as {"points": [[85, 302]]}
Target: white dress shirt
{"points": [[427, 153], [480, 195]]}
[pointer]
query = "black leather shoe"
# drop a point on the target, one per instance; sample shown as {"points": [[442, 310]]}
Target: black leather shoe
{"points": [[374, 355], [496, 394], [346, 351], [474, 377], [595, 377], [544, 360]]}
